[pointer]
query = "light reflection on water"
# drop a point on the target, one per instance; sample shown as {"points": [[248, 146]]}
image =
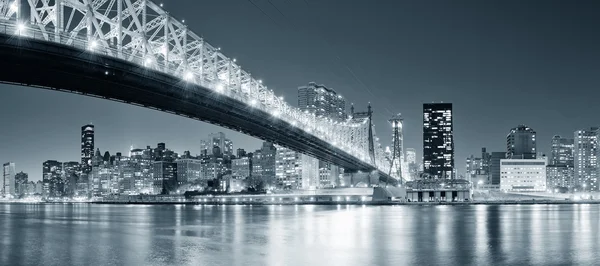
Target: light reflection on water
{"points": [[79, 234]]}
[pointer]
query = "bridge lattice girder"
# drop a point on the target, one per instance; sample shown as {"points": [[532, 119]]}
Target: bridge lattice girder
{"points": [[143, 33]]}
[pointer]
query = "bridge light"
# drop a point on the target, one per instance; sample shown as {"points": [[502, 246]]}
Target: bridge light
{"points": [[148, 62], [93, 44], [234, 60], [260, 81], [188, 76], [14, 6], [20, 27], [219, 87], [253, 102]]}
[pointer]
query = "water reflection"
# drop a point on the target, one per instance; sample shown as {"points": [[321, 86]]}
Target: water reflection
{"points": [[80, 234]]}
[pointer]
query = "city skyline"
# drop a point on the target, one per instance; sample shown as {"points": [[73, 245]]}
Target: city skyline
{"points": [[421, 60]]}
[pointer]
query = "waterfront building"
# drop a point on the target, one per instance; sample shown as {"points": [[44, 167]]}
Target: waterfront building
{"points": [[70, 175], [309, 173], [212, 168], [494, 166], [325, 102], [8, 180], [189, 171], [241, 168], [586, 160], [559, 177], [287, 168], [165, 177], [52, 177], [523, 175], [521, 143], [438, 140], [263, 163], [562, 151]]}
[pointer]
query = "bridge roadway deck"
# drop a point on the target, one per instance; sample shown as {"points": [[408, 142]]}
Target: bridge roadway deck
{"points": [[48, 65]]}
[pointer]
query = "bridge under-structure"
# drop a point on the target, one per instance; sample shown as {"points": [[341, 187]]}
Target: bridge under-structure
{"points": [[135, 52]]}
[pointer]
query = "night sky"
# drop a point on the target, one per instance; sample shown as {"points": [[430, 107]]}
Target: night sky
{"points": [[501, 63]]}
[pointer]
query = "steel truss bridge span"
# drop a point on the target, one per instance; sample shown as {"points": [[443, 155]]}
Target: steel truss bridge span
{"points": [[133, 51]]}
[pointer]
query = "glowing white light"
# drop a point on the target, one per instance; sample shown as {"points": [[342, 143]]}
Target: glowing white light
{"points": [[220, 87], [260, 81], [234, 60], [14, 6], [253, 102], [93, 44], [188, 76], [148, 62], [276, 113], [20, 27]]}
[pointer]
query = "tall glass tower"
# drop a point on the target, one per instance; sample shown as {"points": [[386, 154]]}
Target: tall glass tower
{"points": [[438, 140], [87, 148]]}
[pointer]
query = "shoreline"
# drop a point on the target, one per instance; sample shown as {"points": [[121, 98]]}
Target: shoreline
{"points": [[335, 203]]}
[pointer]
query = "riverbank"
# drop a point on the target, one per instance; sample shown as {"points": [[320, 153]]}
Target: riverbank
{"points": [[366, 203]]}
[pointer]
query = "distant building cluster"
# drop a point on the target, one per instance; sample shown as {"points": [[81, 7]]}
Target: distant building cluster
{"points": [[159, 170], [571, 166]]}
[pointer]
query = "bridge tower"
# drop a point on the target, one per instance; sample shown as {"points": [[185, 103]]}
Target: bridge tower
{"points": [[397, 150]]}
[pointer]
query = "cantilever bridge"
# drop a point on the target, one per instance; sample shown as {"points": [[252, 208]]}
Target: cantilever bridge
{"points": [[133, 51]]}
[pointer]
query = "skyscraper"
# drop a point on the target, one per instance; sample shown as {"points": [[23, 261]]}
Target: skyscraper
{"points": [[321, 101], [494, 166], [263, 163], [165, 177], [21, 180], [52, 178], [216, 145], [561, 152], [520, 143], [286, 169], [438, 140], [87, 148], [8, 180], [586, 159]]}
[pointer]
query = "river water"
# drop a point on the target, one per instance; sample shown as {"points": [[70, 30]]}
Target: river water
{"points": [[82, 234]]}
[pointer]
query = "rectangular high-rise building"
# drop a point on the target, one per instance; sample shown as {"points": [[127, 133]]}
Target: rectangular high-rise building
{"points": [[21, 180], [586, 160], [52, 178], [438, 140], [561, 152], [263, 163], [8, 179], [188, 171], [216, 145], [165, 177], [87, 148], [287, 168], [521, 143], [494, 166], [321, 101]]}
